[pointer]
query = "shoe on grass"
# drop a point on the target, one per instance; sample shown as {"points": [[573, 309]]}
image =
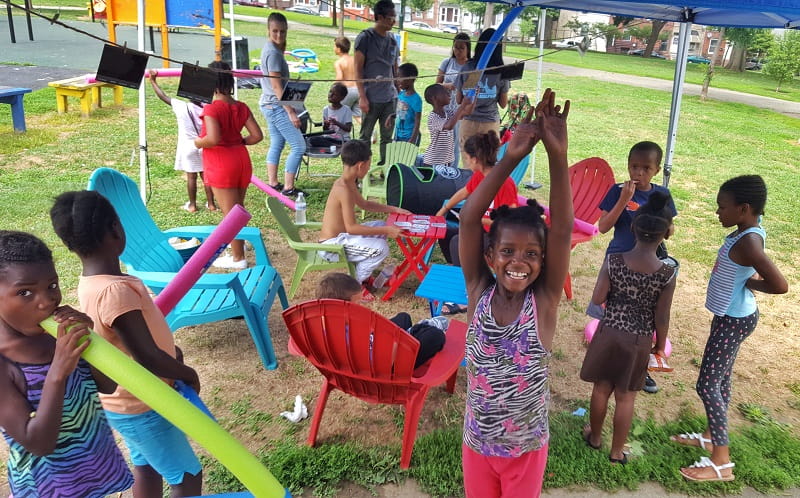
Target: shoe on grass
{"points": [[650, 385], [227, 262]]}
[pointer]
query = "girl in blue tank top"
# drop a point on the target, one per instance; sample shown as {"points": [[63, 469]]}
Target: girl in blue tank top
{"points": [[514, 290], [741, 268]]}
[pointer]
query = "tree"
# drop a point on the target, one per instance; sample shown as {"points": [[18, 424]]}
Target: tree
{"points": [[655, 35], [421, 5], [745, 41], [784, 59], [715, 58]]}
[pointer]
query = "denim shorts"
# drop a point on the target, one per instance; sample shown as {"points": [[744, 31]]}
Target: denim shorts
{"points": [[154, 441]]}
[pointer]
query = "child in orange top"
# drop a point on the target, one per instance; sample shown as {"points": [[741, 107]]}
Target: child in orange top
{"points": [[126, 316]]}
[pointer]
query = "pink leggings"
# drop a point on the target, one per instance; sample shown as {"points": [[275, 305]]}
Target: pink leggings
{"points": [[502, 477]]}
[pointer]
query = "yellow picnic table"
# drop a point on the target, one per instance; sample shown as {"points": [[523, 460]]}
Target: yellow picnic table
{"points": [[88, 93]]}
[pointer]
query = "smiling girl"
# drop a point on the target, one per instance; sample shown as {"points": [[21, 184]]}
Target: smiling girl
{"points": [[514, 289]]}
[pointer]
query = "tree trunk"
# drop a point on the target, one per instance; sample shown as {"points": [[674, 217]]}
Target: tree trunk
{"points": [[717, 56], [736, 62], [651, 42], [657, 26], [333, 13], [548, 30], [341, 11], [488, 15]]}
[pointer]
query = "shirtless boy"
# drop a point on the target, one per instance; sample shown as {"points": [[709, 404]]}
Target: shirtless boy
{"points": [[365, 244], [346, 74]]}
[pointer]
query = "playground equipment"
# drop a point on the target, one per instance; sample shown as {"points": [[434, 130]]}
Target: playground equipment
{"points": [[166, 14]]}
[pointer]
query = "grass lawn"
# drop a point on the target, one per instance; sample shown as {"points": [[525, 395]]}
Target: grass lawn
{"points": [[716, 141]]}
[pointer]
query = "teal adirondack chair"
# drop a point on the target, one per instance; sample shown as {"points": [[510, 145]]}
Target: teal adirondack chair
{"points": [[374, 183], [148, 255], [308, 258]]}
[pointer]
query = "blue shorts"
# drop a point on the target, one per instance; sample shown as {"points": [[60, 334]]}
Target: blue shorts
{"points": [[154, 441]]}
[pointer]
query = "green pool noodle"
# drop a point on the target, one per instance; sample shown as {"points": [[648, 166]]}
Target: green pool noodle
{"points": [[162, 398]]}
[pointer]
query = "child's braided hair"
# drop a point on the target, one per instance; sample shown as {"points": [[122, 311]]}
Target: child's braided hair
{"points": [[747, 189], [82, 219], [652, 220], [527, 217], [21, 247]]}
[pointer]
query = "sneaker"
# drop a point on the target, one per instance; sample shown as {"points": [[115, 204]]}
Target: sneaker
{"points": [[292, 192], [228, 263], [440, 322], [650, 385]]}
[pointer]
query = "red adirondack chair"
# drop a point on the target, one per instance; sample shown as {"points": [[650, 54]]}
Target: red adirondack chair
{"points": [[367, 356], [590, 180]]}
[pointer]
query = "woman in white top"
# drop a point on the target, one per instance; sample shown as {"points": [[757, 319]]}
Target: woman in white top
{"points": [[448, 72]]}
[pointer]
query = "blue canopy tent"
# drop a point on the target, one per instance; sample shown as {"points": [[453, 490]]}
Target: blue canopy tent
{"points": [[736, 13]]}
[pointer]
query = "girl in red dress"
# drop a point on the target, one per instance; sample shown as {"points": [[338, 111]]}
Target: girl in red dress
{"points": [[225, 158]]}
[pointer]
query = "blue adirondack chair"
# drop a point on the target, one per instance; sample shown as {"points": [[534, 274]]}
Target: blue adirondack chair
{"points": [[148, 255]]}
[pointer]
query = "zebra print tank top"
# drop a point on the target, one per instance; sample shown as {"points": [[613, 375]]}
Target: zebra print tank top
{"points": [[507, 387], [86, 462]]}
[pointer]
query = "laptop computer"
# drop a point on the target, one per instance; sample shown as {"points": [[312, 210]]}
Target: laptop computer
{"points": [[295, 93], [121, 66], [197, 83]]}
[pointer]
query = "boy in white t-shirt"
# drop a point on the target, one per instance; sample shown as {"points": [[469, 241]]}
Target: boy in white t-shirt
{"points": [[187, 157], [336, 118]]}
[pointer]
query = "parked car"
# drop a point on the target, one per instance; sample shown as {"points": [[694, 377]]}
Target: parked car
{"points": [[251, 3], [640, 52], [698, 59], [754, 64], [303, 10], [566, 44], [420, 25], [449, 28]]}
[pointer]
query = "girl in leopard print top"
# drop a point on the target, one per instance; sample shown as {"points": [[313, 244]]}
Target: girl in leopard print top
{"points": [[637, 288]]}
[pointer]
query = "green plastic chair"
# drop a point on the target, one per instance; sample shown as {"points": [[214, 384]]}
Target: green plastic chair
{"points": [[374, 183], [308, 257]]}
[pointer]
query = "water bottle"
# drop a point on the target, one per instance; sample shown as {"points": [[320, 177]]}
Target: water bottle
{"points": [[300, 210], [384, 276]]}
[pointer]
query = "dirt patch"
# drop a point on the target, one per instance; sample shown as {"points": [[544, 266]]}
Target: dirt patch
{"points": [[248, 399]]}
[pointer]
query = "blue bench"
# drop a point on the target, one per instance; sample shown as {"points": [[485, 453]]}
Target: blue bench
{"points": [[13, 97], [443, 284]]}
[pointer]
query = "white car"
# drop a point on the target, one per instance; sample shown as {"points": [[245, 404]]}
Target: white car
{"points": [[420, 25], [566, 44], [302, 10]]}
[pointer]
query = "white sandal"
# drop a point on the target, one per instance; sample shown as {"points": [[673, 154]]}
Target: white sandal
{"points": [[692, 436], [705, 462]]}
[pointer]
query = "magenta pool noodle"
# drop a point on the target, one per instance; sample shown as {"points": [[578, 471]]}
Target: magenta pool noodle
{"points": [[271, 191], [175, 72], [165, 400], [202, 259], [579, 225]]}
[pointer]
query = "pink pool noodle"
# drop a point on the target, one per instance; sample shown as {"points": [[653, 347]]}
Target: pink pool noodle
{"points": [[579, 225], [271, 191], [591, 328], [201, 260], [175, 72]]}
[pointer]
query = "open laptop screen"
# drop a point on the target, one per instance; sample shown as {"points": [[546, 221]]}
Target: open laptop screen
{"points": [[295, 93]]}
